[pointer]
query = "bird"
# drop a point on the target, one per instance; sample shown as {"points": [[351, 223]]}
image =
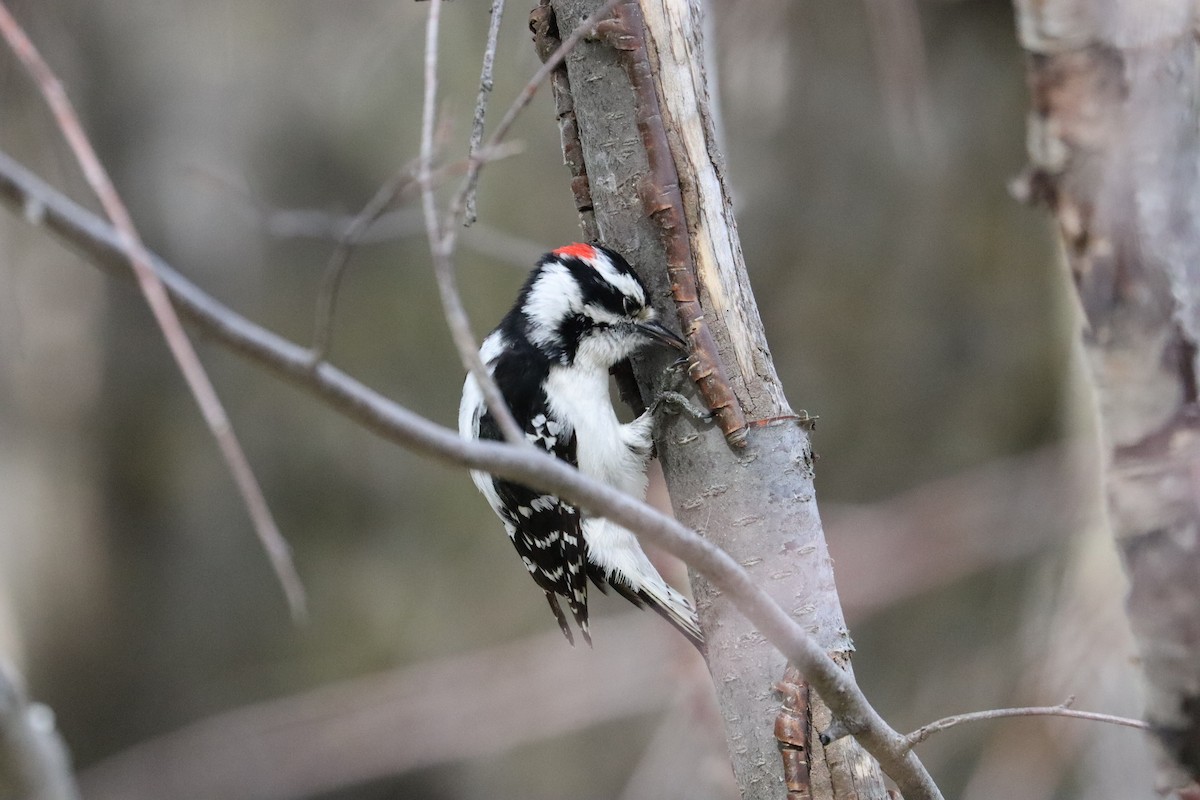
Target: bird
{"points": [[582, 310]]}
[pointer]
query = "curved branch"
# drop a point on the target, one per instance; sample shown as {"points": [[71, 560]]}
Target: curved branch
{"points": [[1063, 710], [441, 242], [40, 204], [347, 239]]}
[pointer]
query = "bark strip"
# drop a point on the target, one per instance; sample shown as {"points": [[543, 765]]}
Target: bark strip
{"points": [[546, 39], [793, 731], [663, 203]]}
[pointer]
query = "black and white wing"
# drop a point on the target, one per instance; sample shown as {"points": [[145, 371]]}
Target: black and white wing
{"points": [[547, 533], [545, 530]]}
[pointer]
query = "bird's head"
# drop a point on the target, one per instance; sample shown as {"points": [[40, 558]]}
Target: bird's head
{"points": [[585, 305]]}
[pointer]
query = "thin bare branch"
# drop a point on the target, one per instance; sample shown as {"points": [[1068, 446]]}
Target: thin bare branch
{"points": [[481, 103], [528, 465], [325, 226], [332, 280], [314, 223], [164, 314], [441, 244], [1063, 710], [587, 27], [352, 232], [498, 245], [443, 234]]}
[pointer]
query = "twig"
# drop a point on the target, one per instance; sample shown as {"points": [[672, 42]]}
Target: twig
{"points": [[441, 244], [528, 465], [164, 314], [522, 100], [502, 246], [325, 226], [443, 235], [332, 280], [312, 223], [352, 232], [1063, 710], [481, 103]]}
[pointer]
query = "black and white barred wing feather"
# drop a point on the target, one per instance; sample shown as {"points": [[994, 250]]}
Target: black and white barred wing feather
{"points": [[546, 531]]}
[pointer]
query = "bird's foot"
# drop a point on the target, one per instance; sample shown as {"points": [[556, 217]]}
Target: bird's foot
{"points": [[674, 403]]}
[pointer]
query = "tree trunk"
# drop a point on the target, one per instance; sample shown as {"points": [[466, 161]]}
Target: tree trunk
{"points": [[1114, 141], [757, 500]]}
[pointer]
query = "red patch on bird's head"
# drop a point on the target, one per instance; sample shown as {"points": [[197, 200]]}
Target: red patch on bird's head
{"points": [[577, 250]]}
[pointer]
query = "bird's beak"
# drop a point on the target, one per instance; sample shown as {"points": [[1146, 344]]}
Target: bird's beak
{"points": [[657, 332]]}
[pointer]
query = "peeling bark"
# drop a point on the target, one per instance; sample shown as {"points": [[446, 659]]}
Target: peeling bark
{"points": [[793, 732], [756, 502], [1114, 141], [662, 201]]}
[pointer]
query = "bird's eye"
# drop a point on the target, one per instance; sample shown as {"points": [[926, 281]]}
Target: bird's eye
{"points": [[631, 307]]}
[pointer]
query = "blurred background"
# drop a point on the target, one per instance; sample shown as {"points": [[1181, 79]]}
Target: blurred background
{"points": [[911, 303]]}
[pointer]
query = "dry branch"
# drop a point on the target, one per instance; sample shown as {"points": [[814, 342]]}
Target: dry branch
{"points": [[1063, 710], [481, 103], [347, 238]]}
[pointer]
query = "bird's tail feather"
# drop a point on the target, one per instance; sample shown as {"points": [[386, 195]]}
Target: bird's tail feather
{"points": [[667, 603]]}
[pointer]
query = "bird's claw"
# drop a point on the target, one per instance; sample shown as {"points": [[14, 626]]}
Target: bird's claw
{"points": [[675, 403]]}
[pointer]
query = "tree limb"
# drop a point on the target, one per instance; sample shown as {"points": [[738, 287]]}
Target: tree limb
{"points": [[757, 503]]}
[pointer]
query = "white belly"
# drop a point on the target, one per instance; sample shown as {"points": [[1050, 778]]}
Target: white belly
{"points": [[580, 398]]}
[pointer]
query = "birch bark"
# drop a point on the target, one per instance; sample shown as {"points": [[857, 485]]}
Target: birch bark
{"points": [[1114, 143]]}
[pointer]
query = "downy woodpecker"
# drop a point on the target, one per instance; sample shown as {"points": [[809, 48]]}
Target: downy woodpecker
{"points": [[582, 310]]}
